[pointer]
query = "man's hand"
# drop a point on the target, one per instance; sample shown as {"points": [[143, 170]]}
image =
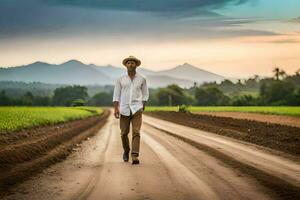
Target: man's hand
{"points": [[117, 111], [144, 103]]}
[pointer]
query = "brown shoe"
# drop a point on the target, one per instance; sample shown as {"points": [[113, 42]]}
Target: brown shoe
{"points": [[135, 160]]}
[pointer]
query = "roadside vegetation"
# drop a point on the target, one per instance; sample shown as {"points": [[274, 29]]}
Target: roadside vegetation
{"points": [[274, 110]]}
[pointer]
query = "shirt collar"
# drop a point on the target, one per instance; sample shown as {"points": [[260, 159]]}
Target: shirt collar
{"points": [[136, 74]]}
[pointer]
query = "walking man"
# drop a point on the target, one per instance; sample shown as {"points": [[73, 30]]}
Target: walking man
{"points": [[130, 96]]}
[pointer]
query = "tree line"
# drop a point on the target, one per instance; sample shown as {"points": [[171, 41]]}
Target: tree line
{"points": [[74, 95], [281, 89]]}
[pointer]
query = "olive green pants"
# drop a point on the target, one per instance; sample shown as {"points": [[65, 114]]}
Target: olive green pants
{"points": [[136, 121]]}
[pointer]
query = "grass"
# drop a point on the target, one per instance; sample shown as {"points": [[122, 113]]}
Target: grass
{"points": [[275, 110], [16, 118]]}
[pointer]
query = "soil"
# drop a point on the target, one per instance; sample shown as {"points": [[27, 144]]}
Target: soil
{"points": [[27, 152], [275, 119], [280, 137]]}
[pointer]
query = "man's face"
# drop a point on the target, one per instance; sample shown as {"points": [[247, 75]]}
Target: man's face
{"points": [[131, 65]]}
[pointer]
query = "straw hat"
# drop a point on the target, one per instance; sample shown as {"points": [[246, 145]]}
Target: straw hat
{"points": [[138, 62]]}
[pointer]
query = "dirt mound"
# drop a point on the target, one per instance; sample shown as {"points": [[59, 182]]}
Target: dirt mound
{"points": [[27, 152], [279, 137]]}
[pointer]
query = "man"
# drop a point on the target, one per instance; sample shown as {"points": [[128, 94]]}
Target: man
{"points": [[130, 96]]}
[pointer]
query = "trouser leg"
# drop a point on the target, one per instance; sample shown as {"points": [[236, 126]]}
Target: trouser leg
{"points": [[125, 127], [136, 126]]}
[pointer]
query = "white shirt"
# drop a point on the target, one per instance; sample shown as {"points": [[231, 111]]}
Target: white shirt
{"points": [[130, 93]]}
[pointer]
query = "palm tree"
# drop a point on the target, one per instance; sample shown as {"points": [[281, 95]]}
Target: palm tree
{"points": [[276, 71], [282, 74], [297, 72]]}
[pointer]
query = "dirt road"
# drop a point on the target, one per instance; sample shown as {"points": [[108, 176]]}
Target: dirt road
{"points": [[177, 162]]}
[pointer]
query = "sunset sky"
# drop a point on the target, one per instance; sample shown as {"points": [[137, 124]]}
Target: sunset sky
{"points": [[233, 38]]}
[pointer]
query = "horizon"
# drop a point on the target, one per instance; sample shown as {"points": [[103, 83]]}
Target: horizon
{"points": [[233, 38]]}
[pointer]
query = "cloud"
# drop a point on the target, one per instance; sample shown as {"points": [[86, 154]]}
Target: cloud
{"points": [[120, 19], [165, 7], [286, 41]]}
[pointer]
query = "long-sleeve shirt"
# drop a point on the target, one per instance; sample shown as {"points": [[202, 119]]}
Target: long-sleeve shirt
{"points": [[130, 93]]}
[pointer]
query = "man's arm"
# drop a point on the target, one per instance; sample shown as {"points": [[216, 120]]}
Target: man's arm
{"points": [[116, 98], [145, 93]]}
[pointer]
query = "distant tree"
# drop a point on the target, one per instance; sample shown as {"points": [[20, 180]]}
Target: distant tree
{"points": [[295, 101], [207, 84], [277, 92], [263, 93], [282, 74], [163, 97], [295, 78], [239, 82], [278, 73], [64, 96], [194, 84], [78, 102], [227, 82], [101, 99], [153, 101], [297, 73], [42, 101], [228, 86], [173, 95], [244, 100], [27, 99], [4, 100], [252, 82], [210, 96]]}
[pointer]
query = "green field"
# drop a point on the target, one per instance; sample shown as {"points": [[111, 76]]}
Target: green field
{"points": [[276, 110], [16, 118]]}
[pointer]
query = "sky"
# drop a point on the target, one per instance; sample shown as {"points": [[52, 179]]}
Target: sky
{"points": [[233, 38]]}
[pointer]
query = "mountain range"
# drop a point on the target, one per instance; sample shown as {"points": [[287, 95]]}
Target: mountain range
{"points": [[76, 72]]}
